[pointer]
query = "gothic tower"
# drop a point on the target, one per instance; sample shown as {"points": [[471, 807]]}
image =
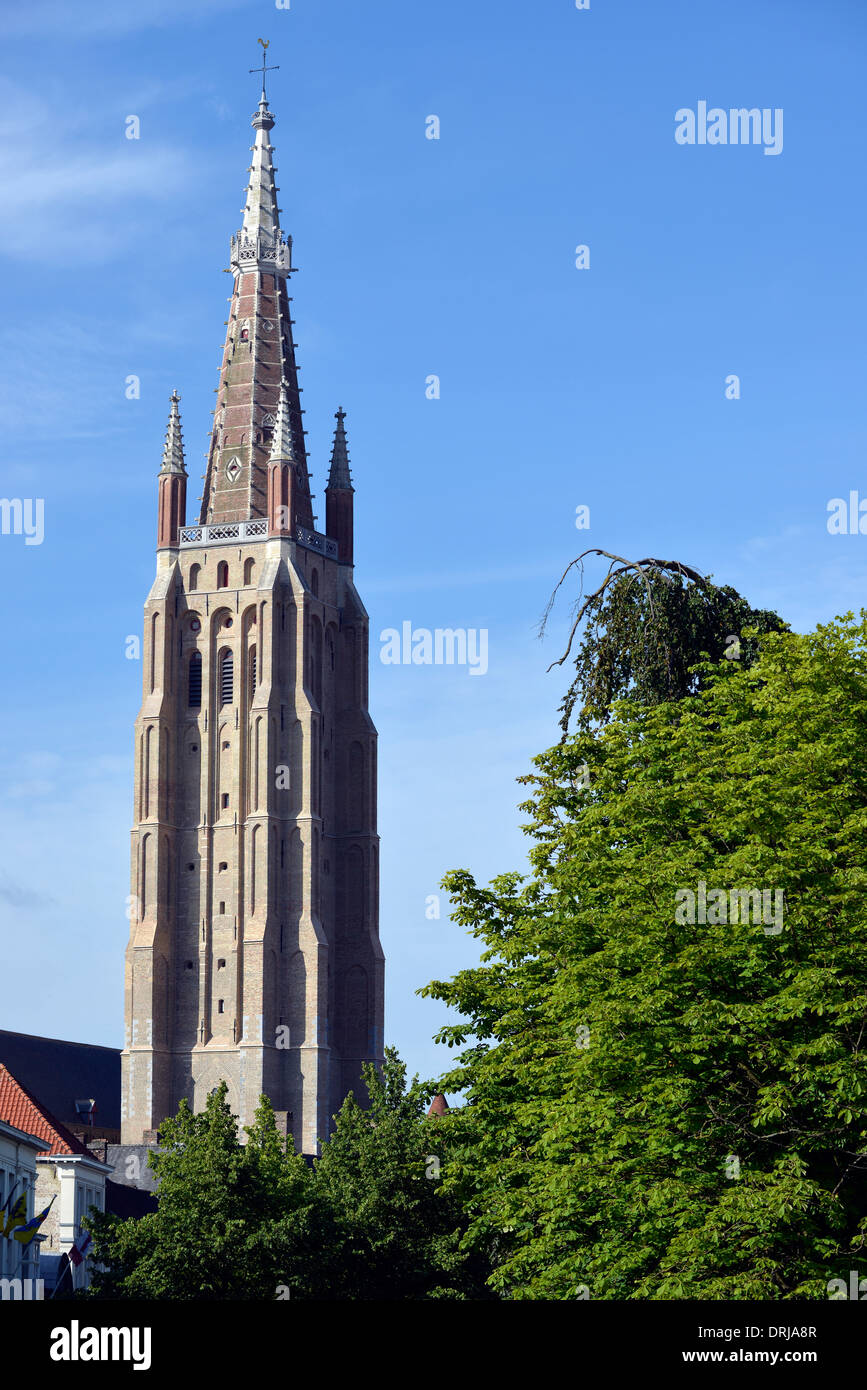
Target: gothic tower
{"points": [[254, 951]]}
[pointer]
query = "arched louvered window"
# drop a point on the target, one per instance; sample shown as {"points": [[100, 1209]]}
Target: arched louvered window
{"points": [[227, 678], [252, 671], [194, 699]]}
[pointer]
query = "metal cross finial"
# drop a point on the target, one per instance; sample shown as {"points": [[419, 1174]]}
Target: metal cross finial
{"points": [[265, 66]]}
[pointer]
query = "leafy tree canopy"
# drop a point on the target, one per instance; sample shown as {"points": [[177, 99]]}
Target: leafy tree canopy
{"points": [[646, 628], [659, 1107], [381, 1174], [231, 1217], [252, 1220]]}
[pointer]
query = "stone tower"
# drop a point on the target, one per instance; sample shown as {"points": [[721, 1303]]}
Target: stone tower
{"points": [[254, 952]]}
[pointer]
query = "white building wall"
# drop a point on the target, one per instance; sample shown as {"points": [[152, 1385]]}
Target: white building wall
{"points": [[18, 1152]]}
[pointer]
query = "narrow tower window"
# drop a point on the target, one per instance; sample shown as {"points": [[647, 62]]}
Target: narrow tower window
{"points": [[252, 671], [194, 576], [195, 681], [249, 567], [222, 575], [227, 678]]}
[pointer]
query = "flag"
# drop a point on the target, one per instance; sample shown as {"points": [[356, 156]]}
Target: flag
{"points": [[17, 1216], [80, 1247], [25, 1234], [6, 1208]]}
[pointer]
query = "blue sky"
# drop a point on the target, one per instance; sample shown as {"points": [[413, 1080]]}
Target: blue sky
{"points": [[454, 257]]}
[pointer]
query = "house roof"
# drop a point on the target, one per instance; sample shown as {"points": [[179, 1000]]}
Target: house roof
{"points": [[60, 1073], [124, 1201], [21, 1109]]}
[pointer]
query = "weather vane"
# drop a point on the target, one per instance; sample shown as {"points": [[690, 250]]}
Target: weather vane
{"points": [[265, 65]]}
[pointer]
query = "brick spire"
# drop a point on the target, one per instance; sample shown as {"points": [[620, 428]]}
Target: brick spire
{"points": [[339, 506], [258, 356], [172, 510]]}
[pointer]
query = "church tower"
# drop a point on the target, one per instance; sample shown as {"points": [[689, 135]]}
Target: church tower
{"points": [[254, 950]]}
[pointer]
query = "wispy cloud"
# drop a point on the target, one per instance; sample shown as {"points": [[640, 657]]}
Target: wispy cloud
{"points": [[79, 195], [16, 895], [106, 18]]}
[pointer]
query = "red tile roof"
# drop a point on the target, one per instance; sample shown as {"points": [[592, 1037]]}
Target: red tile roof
{"points": [[19, 1108]]}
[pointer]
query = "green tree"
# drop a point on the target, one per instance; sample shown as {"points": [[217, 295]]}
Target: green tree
{"points": [[250, 1220], [658, 1107], [647, 628], [233, 1220], [381, 1176]]}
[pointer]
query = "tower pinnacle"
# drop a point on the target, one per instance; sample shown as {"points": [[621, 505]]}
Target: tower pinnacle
{"points": [[172, 510], [173, 451], [339, 475], [339, 521], [282, 444]]}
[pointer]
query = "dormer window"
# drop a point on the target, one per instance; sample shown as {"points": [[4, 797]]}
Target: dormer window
{"points": [[84, 1109]]}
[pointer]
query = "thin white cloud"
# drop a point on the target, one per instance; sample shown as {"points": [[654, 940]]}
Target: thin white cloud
{"points": [[87, 191], [107, 18]]}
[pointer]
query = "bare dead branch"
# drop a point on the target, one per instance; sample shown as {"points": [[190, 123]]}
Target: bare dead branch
{"points": [[619, 565]]}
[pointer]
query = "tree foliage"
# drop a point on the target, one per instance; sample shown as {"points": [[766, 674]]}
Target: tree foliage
{"points": [[658, 1108], [646, 628], [231, 1217], [381, 1174], [252, 1220]]}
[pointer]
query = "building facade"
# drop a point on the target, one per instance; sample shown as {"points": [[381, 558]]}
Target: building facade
{"points": [[18, 1153], [66, 1177], [254, 952]]}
